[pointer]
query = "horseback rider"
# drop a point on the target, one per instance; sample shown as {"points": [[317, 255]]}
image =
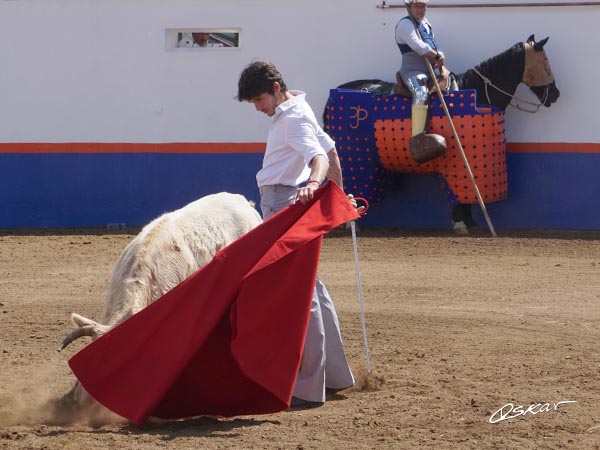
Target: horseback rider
{"points": [[416, 42]]}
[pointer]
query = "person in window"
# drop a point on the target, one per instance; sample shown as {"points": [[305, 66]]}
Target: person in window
{"points": [[202, 40], [197, 40]]}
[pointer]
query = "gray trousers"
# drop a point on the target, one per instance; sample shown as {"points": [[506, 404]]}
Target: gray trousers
{"points": [[324, 362]]}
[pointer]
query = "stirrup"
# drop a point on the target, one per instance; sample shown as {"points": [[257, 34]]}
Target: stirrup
{"points": [[425, 147]]}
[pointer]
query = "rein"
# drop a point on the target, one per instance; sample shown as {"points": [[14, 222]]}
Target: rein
{"points": [[487, 82]]}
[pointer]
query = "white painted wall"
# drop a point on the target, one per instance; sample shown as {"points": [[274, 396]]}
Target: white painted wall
{"points": [[98, 70]]}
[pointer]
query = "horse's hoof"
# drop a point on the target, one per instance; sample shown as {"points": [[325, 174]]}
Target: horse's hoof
{"points": [[460, 228]]}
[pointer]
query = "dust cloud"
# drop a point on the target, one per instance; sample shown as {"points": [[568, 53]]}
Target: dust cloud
{"points": [[28, 402], [368, 381]]}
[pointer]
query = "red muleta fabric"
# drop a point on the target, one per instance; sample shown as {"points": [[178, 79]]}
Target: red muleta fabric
{"points": [[228, 340]]}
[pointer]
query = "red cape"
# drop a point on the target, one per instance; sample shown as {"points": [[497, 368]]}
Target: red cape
{"points": [[228, 340]]}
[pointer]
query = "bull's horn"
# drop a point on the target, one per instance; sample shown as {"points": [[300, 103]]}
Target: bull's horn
{"points": [[87, 330]]}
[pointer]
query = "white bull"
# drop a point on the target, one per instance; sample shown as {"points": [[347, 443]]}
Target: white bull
{"points": [[166, 252]]}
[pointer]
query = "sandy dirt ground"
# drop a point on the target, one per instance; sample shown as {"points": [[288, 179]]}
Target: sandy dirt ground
{"points": [[457, 329]]}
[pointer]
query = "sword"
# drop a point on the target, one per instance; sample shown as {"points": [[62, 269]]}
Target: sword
{"points": [[359, 284]]}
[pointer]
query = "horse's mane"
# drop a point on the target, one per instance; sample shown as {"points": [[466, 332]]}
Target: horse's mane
{"points": [[505, 70]]}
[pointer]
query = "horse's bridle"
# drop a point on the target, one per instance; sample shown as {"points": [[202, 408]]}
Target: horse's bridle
{"points": [[487, 82]]}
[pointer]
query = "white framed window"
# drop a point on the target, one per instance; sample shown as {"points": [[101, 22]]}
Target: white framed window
{"points": [[202, 38]]}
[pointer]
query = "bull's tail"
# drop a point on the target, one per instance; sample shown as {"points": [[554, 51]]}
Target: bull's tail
{"points": [[85, 327]]}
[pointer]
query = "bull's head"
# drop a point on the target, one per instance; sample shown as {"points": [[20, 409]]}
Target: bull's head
{"points": [[78, 404], [84, 327]]}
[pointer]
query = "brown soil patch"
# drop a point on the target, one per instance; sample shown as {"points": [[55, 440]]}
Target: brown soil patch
{"points": [[457, 328]]}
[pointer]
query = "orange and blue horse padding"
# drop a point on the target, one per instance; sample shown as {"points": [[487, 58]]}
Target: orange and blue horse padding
{"points": [[372, 134]]}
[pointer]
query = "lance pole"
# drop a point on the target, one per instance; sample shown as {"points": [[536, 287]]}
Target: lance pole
{"points": [[458, 143]]}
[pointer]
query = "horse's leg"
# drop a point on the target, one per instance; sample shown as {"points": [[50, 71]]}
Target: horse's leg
{"points": [[459, 225], [468, 217], [458, 213], [462, 217], [459, 221]]}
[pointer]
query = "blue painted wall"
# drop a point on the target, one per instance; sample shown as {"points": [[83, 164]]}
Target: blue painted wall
{"points": [[547, 191], [551, 191], [89, 190]]}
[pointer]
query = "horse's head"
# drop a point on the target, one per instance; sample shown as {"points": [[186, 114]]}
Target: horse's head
{"points": [[537, 73]]}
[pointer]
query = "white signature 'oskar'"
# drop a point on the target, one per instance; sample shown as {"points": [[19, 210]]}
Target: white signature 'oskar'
{"points": [[510, 411]]}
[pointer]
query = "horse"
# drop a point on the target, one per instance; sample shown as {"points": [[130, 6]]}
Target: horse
{"points": [[495, 81]]}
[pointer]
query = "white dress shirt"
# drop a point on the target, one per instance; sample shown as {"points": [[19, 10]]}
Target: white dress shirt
{"points": [[295, 138]]}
